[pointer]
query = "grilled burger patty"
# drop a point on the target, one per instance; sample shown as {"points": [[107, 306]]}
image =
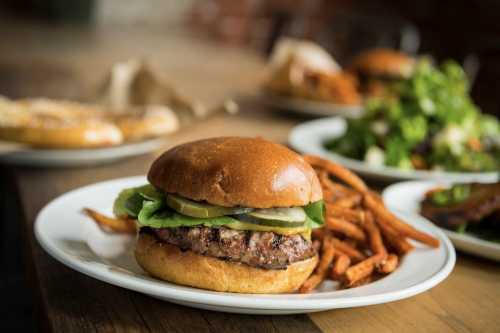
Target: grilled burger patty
{"points": [[254, 248]]}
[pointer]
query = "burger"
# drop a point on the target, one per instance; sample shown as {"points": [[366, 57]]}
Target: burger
{"points": [[376, 68], [227, 214]]}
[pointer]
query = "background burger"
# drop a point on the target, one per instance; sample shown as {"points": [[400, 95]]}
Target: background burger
{"points": [[227, 214], [376, 68]]}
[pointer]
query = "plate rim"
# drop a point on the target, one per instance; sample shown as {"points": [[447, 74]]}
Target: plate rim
{"points": [[314, 128], [69, 157], [256, 301]]}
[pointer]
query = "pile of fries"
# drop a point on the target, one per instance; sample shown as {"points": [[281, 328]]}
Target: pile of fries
{"points": [[361, 240]]}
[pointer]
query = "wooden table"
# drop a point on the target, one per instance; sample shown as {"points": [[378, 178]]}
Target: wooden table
{"points": [[67, 301]]}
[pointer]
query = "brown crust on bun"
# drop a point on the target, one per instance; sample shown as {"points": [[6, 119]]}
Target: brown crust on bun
{"points": [[236, 171], [168, 262], [383, 62]]}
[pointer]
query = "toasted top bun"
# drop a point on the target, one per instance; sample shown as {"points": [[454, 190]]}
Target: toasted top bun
{"points": [[168, 262], [237, 171], [383, 62]]}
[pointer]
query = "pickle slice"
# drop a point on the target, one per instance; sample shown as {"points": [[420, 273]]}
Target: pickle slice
{"points": [[249, 218], [292, 214], [201, 210], [256, 227]]}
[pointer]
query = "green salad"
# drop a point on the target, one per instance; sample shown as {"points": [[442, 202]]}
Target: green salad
{"points": [[425, 122]]}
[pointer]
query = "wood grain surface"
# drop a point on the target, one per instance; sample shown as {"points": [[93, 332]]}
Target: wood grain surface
{"points": [[67, 301]]}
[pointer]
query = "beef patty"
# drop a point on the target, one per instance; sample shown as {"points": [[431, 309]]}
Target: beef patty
{"points": [[257, 249]]}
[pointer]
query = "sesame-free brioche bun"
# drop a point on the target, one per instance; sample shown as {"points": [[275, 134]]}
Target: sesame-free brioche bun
{"points": [[383, 62], [236, 171], [168, 262]]}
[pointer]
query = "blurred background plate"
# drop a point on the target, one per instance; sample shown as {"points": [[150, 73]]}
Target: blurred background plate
{"points": [[406, 197], [79, 157], [310, 108], [309, 138]]}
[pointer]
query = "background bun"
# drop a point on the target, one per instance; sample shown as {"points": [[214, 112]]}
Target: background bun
{"points": [[168, 262], [383, 62], [82, 134], [147, 121], [236, 171]]}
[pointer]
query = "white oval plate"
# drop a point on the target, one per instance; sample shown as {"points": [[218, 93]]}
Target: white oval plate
{"points": [[80, 157], [406, 197], [77, 242], [309, 107], [310, 136]]}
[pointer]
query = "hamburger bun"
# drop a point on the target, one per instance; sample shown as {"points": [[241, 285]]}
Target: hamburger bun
{"points": [[236, 171], [168, 262], [383, 63]]}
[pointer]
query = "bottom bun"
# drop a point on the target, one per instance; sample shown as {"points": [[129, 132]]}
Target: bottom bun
{"points": [[168, 262]]}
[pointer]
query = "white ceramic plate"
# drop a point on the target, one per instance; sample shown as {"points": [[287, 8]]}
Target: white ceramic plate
{"points": [[311, 108], [74, 240], [79, 157], [310, 136], [406, 197]]}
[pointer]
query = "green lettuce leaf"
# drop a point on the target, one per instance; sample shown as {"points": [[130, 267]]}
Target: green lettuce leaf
{"points": [[149, 192], [315, 214], [128, 203], [156, 214]]}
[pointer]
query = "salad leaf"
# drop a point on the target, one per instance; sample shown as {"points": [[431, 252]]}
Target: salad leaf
{"points": [[429, 121]]}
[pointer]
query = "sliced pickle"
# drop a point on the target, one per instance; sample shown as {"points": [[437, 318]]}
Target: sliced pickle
{"points": [[201, 210], [256, 227], [249, 218], [291, 215]]}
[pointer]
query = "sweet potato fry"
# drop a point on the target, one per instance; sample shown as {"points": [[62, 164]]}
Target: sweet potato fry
{"points": [[327, 254], [126, 226], [367, 232], [363, 281], [348, 214], [340, 172], [362, 269], [311, 283], [330, 185], [382, 213], [341, 264], [350, 251], [389, 264], [374, 235], [395, 240], [346, 228], [348, 201]]}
